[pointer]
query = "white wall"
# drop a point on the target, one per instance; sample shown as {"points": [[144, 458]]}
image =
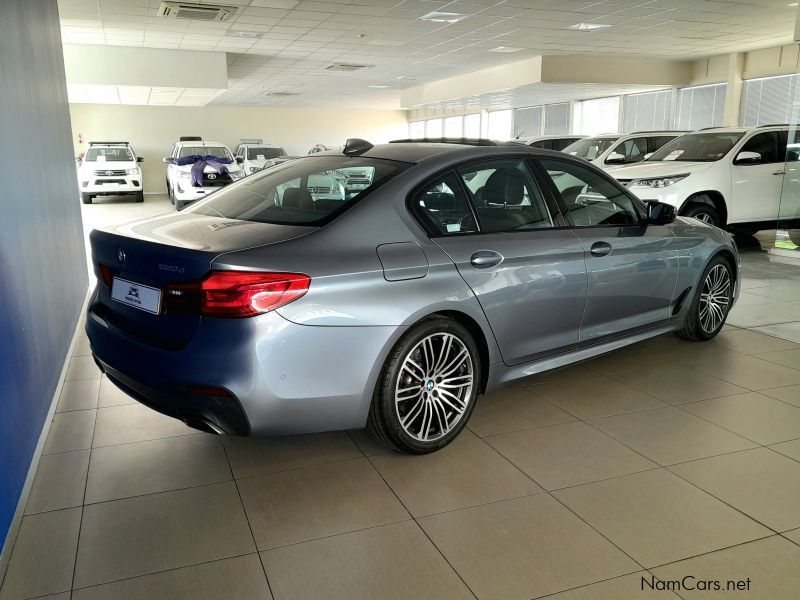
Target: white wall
{"points": [[152, 130]]}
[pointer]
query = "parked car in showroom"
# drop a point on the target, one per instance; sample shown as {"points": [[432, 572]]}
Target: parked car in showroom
{"points": [[728, 177], [261, 311], [253, 156], [615, 149], [551, 142], [197, 168], [110, 169]]}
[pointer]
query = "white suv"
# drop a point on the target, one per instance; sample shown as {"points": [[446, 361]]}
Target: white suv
{"points": [[109, 169], [196, 168], [729, 177], [614, 149], [254, 156]]}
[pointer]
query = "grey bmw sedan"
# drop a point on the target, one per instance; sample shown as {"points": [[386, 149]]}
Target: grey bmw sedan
{"points": [[274, 307]]}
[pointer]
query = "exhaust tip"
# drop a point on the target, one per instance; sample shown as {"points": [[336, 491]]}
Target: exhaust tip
{"points": [[203, 425]]}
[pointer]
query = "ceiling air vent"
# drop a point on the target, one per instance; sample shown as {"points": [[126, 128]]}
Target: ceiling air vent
{"points": [[347, 67], [193, 10]]}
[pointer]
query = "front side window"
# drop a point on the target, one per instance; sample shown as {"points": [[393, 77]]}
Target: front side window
{"points": [[113, 154], [306, 191], [220, 151], [590, 199], [506, 196], [633, 150], [698, 147], [443, 208], [590, 148], [770, 145]]}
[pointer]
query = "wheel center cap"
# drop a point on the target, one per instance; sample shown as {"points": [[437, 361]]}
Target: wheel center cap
{"points": [[430, 385]]}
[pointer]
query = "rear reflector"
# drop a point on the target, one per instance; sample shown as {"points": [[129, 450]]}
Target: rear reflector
{"points": [[238, 294]]}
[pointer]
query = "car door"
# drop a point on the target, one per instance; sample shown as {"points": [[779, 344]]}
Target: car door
{"points": [[757, 183], [529, 276], [632, 267]]}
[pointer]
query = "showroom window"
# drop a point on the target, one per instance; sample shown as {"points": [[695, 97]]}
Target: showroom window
{"points": [[556, 119], [646, 112], [592, 117], [433, 128], [453, 127], [700, 106], [500, 124], [416, 130], [472, 125], [766, 101], [527, 122]]}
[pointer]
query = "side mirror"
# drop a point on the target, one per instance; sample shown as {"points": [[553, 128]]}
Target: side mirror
{"points": [[747, 158], [659, 213], [615, 158], [140, 159], [239, 160], [166, 160], [78, 159]]}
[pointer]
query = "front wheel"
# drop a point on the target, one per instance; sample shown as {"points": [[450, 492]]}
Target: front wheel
{"points": [[703, 212], [427, 389], [711, 302], [86, 198], [139, 196]]}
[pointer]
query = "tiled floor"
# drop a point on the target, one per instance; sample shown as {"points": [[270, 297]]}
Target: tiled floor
{"points": [[661, 460]]}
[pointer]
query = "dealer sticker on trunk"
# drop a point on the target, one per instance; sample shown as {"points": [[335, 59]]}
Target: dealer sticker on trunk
{"points": [[137, 295]]}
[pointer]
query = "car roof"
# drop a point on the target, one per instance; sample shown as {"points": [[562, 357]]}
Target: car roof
{"points": [[417, 152], [201, 143]]}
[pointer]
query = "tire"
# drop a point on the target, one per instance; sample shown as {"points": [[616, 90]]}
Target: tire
{"points": [[139, 196], [425, 419], [794, 236], [703, 212], [702, 325], [86, 198]]}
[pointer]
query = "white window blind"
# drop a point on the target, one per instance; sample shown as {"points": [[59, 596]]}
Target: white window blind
{"points": [[528, 121], [556, 119], [600, 115], [646, 112], [500, 125], [701, 106], [416, 130], [472, 126], [767, 101], [453, 127], [433, 128]]}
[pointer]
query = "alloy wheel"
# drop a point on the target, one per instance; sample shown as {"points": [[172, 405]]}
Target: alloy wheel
{"points": [[705, 218], [715, 298], [434, 386]]}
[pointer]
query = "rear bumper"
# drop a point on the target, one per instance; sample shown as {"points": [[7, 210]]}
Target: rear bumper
{"points": [[283, 377]]}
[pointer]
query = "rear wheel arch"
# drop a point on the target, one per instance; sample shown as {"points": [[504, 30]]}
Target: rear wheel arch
{"points": [[712, 198], [478, 335]]}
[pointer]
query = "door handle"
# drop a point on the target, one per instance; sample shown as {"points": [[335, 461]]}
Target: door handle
{"points": [[484, 259], [600, 249], [779, 173]]}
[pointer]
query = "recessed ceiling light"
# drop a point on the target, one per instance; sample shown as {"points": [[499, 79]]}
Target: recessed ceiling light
{"points": [[243, 34], [792, 4], [587, 26], [378, 87], [505, 49], [443, 17]]}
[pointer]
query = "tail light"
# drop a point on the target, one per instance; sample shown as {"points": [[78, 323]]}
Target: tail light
{"points": [[104, 274], [237, 294]]}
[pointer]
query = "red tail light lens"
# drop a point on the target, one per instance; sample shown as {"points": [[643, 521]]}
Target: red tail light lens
{"points": [[238, 294], [104, 274]]}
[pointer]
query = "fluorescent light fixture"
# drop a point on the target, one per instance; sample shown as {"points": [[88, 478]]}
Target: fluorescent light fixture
{"points": [[443, 17], [587, 26], [378, 87], [792, 4], [505, 49], [243, 34]]}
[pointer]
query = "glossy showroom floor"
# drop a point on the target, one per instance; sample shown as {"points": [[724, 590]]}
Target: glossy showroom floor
{"points": [[665, 459]]}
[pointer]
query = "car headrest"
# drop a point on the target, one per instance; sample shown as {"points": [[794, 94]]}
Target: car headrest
{"points": [[297, 198], [505, 186], [440, 201]]}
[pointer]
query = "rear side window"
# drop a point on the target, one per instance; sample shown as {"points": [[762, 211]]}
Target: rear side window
{"points": [[306, 191], [443, 208]]}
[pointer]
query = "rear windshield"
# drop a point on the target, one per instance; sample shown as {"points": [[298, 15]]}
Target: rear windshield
{"points": [[266, 153], [220, 151], [114, 154], [306, 191], [697, 147], [590, 148]]}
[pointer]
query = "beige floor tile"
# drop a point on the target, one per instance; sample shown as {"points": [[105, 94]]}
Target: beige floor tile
{"points": [[790, 449], [253, 456], [78, 395], [466, 473], [70, 431], [657, 517], [368, 445], [389, 562], [670, 435], [524, 548], [787, 358], [568, 454], [748, 372], [596, 397], [148, 534], [111, 395], [770, 565], [63, 596], [790, 394], [240, 578], [155, 466], [755, 416], [752, 342], [82, 346], [766, 313], [82, 367], [786, 331], [314, 502], [514, 408], [762, 484], [793, 535], [43, 556], [676, 384], [788, 291], [60, 482], [135, 423], [628, 587]]}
